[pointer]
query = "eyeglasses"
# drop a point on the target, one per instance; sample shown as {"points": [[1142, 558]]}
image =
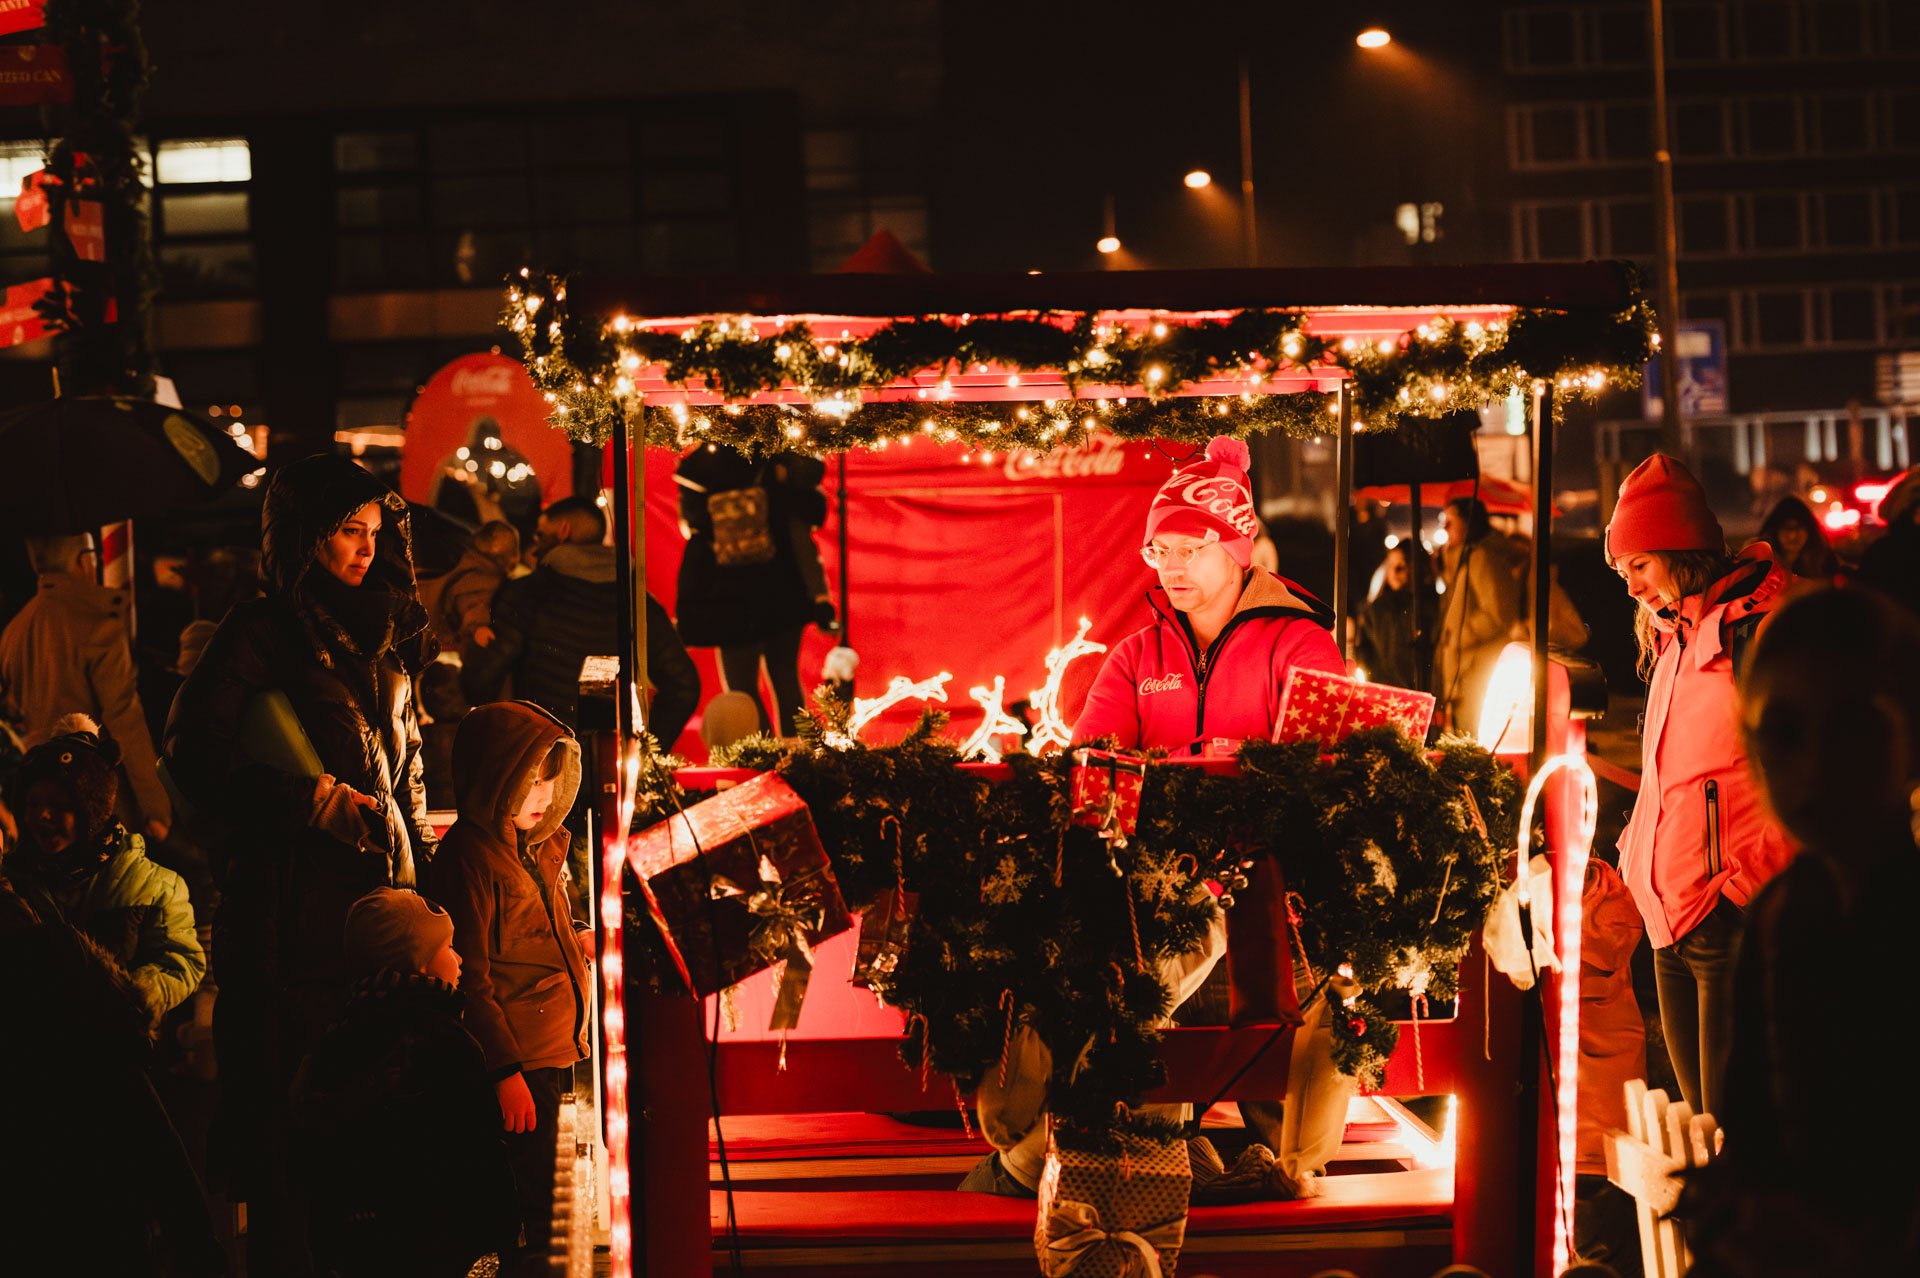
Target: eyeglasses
{"points": [[1174, 556]]}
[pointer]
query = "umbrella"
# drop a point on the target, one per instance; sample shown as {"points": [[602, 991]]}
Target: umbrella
{"points": [[1501, 496], [74, 464]]}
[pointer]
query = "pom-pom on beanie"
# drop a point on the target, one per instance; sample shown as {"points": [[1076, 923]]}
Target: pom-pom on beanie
{"points": [[1662, 507], [1210, 496]]}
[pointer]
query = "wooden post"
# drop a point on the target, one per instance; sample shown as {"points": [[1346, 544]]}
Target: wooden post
{"points": [[1343, 521]]}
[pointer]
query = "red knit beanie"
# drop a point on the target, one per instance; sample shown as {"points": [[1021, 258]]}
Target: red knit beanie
{"points": [[1662, 507], [1210, 496]]}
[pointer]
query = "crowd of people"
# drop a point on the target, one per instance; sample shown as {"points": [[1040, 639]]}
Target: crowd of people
{"points": [[399, 1011]]}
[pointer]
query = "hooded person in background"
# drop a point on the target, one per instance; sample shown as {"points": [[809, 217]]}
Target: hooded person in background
{"points": [[1699, 843], [395, 1124], [460, 604], [69, 650], [502, 874], [98, 1184], [323, 666], [1798, 541], [547, 622], [77, 865]]}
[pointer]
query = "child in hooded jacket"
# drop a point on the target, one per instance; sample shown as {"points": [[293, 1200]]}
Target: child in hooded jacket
{"points": [[501, 873]]}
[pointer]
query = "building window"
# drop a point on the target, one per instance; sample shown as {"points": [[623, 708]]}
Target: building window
{"points": [[1697, 33], [1837, 28], [1546, 135], [856, 190], [1542, 39], [1768, 30], [1847, 219], [1846, 123], [1553, 231], [202, 219], [1772, 126], [1706, 226], [1626, 132], [1903, 121], [1701, 129], [1903, 27], [1619, 36], [1776, 222], [1852, 315], [1903, 221], [1779, 317], [1630, 228]]}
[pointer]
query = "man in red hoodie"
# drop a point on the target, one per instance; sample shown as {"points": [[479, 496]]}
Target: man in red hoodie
{"points": [[1206, 676]]}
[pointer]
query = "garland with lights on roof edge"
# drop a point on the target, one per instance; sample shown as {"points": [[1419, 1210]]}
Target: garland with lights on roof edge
{"points": [[585, 366], [1387, 868]]}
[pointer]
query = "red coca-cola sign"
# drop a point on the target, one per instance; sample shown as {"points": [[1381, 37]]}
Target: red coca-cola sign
{"points": [[491, 395], [22, 15]]}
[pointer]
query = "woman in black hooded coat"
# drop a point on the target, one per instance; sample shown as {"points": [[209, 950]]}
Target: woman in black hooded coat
{"points": [[339, 636]]}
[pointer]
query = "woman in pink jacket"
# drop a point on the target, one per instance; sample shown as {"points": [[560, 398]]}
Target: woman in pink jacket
{"points": [[1699, 844]]}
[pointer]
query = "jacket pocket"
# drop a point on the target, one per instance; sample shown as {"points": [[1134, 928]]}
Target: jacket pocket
{"points": [[1711, 792]]}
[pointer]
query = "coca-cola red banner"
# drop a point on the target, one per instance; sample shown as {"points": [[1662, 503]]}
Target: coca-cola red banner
{"points": [[31, 74], [978, 567], [22, 15]]}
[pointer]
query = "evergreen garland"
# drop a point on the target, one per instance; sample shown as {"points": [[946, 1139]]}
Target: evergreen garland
{"points": [[1376, 838], [586, 367]]}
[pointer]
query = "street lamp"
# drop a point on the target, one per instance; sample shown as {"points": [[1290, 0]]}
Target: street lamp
{"points": [[1199, 179], [1108, 244], [1373, 38]]}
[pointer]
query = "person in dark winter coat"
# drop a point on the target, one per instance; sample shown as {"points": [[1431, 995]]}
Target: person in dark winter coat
{"points": [[321, 666], [502, 875], [743, 586], [546, 623], [1384, 643], [395, 1127], [1830, 711], [77, 865], [97, 1184], [460, 604]]}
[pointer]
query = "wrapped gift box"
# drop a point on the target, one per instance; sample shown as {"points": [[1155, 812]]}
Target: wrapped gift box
{"points": [[737, 883], [1329, 708], [884, 928], [1106, 790], [1114, 1215]]}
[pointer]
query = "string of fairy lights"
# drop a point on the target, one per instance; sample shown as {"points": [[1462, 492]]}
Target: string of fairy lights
{"points": [[898, 382]]}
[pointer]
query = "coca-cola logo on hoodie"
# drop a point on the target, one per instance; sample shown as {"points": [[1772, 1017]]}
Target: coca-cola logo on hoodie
{"points": [[484, 383], [1222, 498]]}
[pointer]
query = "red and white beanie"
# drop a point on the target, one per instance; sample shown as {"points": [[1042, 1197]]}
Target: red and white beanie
{"points": [[1210, 496]]}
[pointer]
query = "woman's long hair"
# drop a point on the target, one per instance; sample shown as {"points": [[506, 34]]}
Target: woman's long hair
{"points": [[1692, 572]]}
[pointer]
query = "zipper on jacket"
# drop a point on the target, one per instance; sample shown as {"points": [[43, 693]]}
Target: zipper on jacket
{"points": [[1712, 789], [1201, 667]]}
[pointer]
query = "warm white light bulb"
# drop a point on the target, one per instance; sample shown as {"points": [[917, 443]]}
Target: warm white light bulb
{"points": [[1199, 179], [1373, 38], [1108, 244]]}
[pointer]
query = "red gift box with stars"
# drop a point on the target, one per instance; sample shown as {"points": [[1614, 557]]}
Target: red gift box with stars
{"points": [[1329, 708], [1106, 790]]}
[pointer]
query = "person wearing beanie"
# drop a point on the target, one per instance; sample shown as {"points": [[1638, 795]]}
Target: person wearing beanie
{"points": [[1204, 677], [395, 1136], [502, 874], [77, 864], [1699, 843], [297, 737]]}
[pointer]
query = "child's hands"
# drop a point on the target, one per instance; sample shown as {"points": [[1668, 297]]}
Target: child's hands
{"points": [[516, 1103]]}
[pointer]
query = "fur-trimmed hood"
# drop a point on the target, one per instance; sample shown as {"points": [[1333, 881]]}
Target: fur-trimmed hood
{"points": [[307, 503], [496, 753]]}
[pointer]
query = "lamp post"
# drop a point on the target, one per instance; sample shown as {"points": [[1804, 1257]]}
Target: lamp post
{"points": [[1249, 237], [1669, 242]]}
